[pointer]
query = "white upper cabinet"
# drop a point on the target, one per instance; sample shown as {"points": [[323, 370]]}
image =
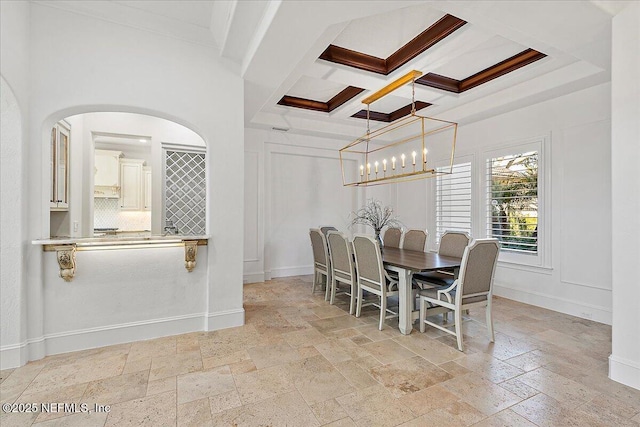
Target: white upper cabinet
{"points": [[106, 179], [131, 188], [59, 161]]}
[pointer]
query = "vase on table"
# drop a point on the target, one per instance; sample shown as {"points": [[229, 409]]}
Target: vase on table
{"points": [[379, 239]]}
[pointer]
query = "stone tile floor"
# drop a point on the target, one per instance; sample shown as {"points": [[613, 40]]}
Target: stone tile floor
{"points": [[299, 361]]}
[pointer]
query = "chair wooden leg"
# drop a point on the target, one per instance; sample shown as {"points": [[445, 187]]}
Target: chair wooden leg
{"points": [[423, 314], [359, 304], [353, 299], [327, 289], [383, 311], [492, 337], [334, 284], [457, 314]]}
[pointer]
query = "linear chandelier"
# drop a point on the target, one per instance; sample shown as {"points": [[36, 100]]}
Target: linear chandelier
{"points": [[400, 151]]}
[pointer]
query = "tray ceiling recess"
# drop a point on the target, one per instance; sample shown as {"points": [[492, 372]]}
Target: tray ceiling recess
{"points": [[436, 33]]}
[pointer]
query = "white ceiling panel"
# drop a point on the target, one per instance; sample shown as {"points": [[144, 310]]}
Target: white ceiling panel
{"points": [[381, 35], [315, 89], [489, 53], [196, 12]]}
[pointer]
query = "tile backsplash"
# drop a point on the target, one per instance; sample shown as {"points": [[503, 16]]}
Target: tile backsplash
{"points": [[107, 214]]}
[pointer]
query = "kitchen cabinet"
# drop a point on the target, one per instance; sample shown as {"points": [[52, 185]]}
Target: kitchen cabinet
{"points": [[59, 163], [106, 179], [131, 188], [146, 172]]}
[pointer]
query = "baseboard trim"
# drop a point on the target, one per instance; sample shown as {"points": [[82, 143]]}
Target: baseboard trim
{"points": [[253, 278], [225, 319], [84, 339], [585, 311], [14, 355], [624, 371], [291, 271]]}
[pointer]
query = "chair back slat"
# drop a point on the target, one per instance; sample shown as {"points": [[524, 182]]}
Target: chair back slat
{"points": [[319, 246], [392, 237], [478, 268], [414, 240], [368, 262], [453, 243], [340, 254]]}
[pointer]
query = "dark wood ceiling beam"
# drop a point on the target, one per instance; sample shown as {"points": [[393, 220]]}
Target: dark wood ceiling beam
{"points": [[352, 58], [343, 96], [309, 104], [440, 82], [519, 60], [423, 41], [390, 117]]}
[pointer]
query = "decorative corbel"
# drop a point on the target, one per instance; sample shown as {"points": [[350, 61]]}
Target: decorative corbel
{"points": [[66, 255], [190, 252]]}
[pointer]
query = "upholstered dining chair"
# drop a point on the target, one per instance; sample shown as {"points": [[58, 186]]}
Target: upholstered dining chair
{"points": [[321, 261], [473, 288], [372, 276], [392, 237], [453, 244], [342, 267], [414, 240]]}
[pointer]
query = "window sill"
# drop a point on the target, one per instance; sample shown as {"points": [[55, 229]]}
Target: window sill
{"points": [[526, 267]]}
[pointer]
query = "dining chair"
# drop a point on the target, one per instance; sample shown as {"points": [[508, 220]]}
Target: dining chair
{"points": [[414, 240], [392, 237], [453, 244], [473, 288], [321, 261], [342, 267], [371, 276]]}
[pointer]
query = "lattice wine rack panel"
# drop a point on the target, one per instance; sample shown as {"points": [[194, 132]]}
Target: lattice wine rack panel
{"points": [[185, 192]]}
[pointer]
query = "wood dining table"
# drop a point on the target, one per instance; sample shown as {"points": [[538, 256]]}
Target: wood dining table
{"points": [[406, 263]]}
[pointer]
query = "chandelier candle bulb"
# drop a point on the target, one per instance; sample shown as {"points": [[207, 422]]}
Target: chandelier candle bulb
{"points": [[368, 168], [361, 170], [403, 157], [414, 158], [384, 165], [424, 155], [393, 163], [376, 165]]}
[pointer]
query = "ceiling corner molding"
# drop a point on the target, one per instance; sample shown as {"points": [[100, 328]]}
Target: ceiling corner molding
{"points": [[518, 60], [309, 104], [392, 116], [444, 27]]}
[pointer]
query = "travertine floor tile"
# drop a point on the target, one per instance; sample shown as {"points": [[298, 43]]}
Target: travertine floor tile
{"points": [[481, 393], [152, 411], [204, 384], [299, 361], [409, 376], [287, 409], [371, 406], [196, 413], [388, 351]]}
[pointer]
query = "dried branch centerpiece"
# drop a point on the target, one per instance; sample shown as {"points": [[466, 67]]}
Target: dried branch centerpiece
{"points": [[372, 214]]}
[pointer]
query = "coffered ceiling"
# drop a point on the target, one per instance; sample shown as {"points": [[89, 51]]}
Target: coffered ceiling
{"points": [[308, 64]]}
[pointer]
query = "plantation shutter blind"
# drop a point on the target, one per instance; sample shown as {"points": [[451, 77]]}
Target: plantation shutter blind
{"points": [[453, 200]]}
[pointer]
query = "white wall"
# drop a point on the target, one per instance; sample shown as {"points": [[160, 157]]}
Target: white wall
{"points": [[624, 363], [575, 275], [292, 183], [110, 67], [14, 72]]}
